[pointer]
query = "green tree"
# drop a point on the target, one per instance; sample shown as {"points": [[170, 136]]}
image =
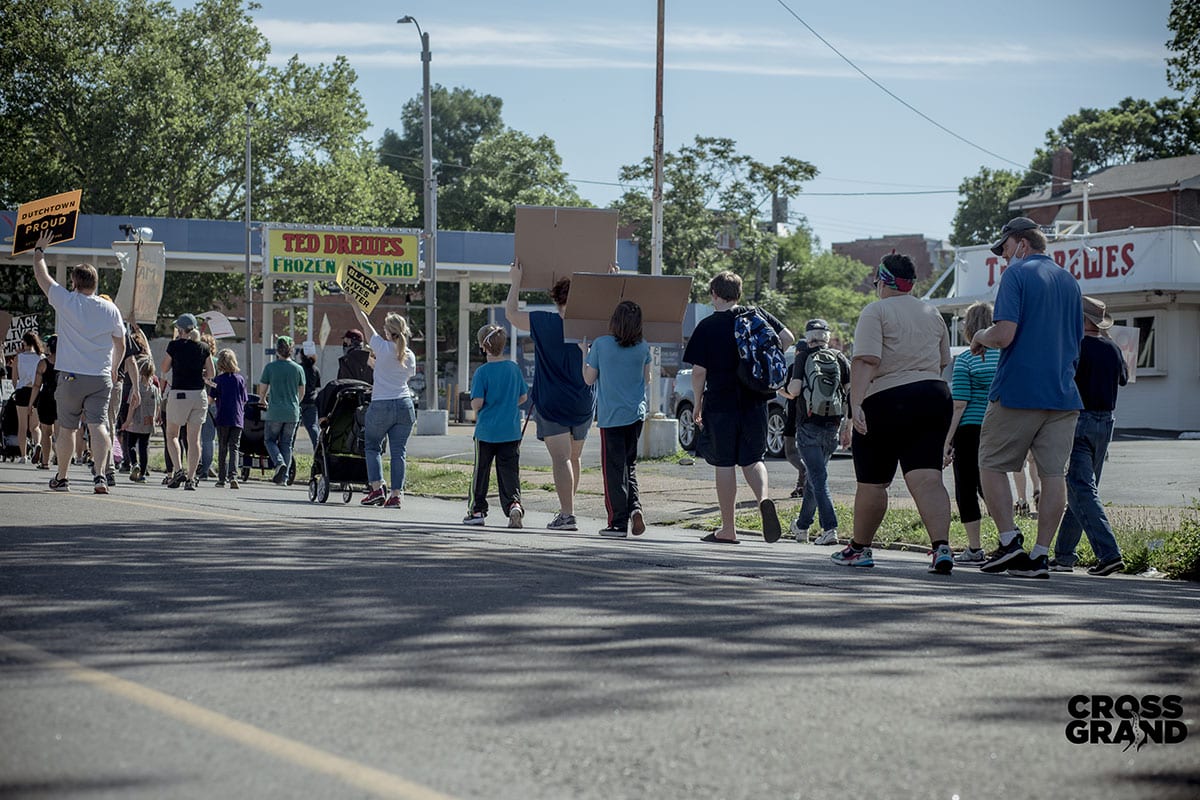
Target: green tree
{"points": [[461, 118], [1133, 130], [143, 106], [1183, 68], [983, 208], [508, 168], [712, 195], [821, 284]]}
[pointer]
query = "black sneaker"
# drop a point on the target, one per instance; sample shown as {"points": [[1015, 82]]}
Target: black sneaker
{"points": [[189, 485], [1026, 566], [998, 559], [281, 473], [1107, 567], [177, 480], [1058, 566], [110, 478], [60, 484]]}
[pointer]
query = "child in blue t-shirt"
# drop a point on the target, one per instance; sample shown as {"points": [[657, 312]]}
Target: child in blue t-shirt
{"points": [[497, 391], [620, 364]]}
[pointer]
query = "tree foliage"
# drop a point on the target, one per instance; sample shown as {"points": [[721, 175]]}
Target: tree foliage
{"points": [[822, 284], [1131, 131], [1183, 68], [461, 118], [508, 168], [983, 209], [144, 106], [712, 194]]}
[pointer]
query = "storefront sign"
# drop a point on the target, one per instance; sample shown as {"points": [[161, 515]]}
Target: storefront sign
{"points": [[313, 254], [1107, 262]]}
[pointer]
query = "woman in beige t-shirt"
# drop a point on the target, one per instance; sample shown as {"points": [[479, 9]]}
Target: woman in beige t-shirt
{"points": [[901, 410]]}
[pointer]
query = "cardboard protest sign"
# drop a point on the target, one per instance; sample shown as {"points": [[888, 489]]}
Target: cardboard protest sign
{"points": [[554, 243], [16, 328], [1127, 338], [593, 297], [57, 214], [365, 290], [315, 254], [218, 324], [144, 271]]}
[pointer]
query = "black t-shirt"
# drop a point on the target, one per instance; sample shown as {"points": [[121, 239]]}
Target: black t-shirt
{"points": [[312, 382], [1101, 369], [132, 350], [712, 346], [187, 363]]}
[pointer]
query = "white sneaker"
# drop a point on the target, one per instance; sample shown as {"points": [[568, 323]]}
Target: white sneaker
{"points": [[801, 534], [516, 516], [827, 537]]}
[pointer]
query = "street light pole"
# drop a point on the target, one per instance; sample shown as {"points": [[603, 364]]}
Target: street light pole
{"points": [[430, 233], [249, 288]]}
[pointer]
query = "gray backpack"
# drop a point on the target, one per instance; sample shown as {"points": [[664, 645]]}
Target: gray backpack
{"points": [[823, 393]]}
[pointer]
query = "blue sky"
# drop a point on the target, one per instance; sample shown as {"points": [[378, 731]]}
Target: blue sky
{"points": [[999, 75]]}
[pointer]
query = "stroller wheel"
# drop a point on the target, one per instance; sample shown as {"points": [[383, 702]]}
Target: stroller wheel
{"points": [[322, 489], [347, 493], [245, 474], [291, 473], [312, 490]]}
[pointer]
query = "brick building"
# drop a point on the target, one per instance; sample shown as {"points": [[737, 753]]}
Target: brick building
{"points": [[930, 255]]}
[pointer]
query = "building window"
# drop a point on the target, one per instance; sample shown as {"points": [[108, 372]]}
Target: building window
{"points": [[1147, 341]]}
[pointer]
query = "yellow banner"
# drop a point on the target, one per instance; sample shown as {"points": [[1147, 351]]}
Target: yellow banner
{"points": [[362, 287], [57, 214], [320, 255]]}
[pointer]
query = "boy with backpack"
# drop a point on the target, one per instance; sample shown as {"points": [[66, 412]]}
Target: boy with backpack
{"points": [[727, 355], [822, 394]]}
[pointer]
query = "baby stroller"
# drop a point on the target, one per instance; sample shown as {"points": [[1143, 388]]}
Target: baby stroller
{"points": [[253, 447], [339, 459]]}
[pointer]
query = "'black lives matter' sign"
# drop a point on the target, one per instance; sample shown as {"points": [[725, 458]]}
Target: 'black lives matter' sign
{"points": [[57, 214]]}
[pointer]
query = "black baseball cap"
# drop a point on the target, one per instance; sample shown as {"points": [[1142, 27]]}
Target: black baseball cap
{"points": [[816, 325], [1015, 225]]}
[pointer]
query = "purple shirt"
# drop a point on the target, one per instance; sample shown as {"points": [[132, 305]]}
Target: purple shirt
{"points": [[230, 395]]}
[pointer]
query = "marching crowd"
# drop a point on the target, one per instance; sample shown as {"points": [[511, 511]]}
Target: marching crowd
{"points": [[1039, 383]]}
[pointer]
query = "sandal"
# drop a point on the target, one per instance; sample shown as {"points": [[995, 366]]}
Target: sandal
{"points": [[712, 539]]}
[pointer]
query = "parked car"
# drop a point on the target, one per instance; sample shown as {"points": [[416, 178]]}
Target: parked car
{"points": [[682, 402]]}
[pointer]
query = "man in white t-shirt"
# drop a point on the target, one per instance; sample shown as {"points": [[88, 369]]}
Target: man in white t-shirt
{"points": [[91, 344]]}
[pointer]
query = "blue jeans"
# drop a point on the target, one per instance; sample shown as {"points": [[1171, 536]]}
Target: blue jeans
{"points": [[395, 420], [278, 438], [308, 418], [1085, 513], [817, 443], [208, 436]]}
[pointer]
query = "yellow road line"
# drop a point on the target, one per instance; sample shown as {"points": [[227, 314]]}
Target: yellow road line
{"points": [[375, 781]]}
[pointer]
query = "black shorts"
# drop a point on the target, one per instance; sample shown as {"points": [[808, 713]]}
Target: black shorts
{"points": [[905, 425], [47, 411], [733, 438], [21, 396]]}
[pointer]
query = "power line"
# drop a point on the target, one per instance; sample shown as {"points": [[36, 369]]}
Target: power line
{"points": [[904, 102]]}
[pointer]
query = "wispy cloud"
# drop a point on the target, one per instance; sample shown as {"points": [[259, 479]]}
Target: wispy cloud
{"points": [[597, 47]]}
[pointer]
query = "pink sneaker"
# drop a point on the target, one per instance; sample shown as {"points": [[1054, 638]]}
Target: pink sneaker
{"points": [[392, 502]]}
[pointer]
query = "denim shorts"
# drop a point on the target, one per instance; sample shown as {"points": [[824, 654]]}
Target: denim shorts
{"points": [[547, 428]]}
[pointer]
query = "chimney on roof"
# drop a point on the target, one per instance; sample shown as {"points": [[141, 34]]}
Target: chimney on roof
{"points": [[1062, 164]]}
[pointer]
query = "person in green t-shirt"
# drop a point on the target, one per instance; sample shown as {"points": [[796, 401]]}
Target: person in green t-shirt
{"points": [[280, 389]]}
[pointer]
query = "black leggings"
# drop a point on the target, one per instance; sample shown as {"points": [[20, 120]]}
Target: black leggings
{"points": [[967, 487], [137, 446]]}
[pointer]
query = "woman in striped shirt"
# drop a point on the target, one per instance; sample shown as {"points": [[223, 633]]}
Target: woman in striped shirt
{"points": [[972, 380]]}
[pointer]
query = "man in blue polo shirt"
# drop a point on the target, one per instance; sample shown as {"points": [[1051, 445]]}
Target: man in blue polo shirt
{"points": [[1033, 403]]}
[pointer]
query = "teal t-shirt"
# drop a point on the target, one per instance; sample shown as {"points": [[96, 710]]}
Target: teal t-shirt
{"points": [[501, 385], [285, 377], [621, 399], [972, 382]]}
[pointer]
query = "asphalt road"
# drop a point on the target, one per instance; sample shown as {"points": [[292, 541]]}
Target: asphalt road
{"points": [[171, 644]]}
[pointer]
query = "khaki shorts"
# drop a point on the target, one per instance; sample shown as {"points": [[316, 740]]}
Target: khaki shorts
{"points": [[1009, 434], [82, 396], [187, 407]]}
